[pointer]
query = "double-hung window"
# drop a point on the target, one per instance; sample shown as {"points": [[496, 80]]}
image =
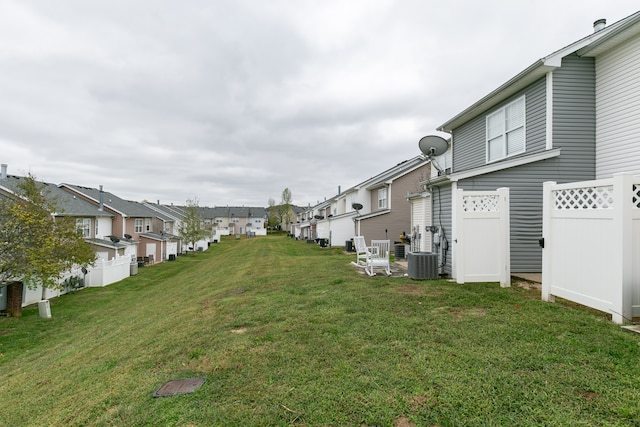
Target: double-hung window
{"points": [[138, 225], [382, 198], [84, 226], [506, 131]]}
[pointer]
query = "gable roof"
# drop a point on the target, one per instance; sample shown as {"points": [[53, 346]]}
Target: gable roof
{"points": [[66, 203], [166, 211], [399, 170], [590, 45], [234, 211], [126, 208], [376, 181]]}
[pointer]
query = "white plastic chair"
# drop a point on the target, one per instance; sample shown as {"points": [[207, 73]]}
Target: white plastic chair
{"points": [[361, 250], [378, 257]]}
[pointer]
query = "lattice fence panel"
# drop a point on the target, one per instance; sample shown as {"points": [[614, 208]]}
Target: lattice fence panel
{"points": [[486, 203], [636, 196], [584, 198]]}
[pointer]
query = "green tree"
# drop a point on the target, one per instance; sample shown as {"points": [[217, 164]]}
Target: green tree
{"points": [[192, 227], [36, 246], [285, 208], [273, 219]]}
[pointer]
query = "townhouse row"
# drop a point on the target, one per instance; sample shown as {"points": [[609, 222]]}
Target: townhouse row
{"points": [[116, 227], [573, 115]]}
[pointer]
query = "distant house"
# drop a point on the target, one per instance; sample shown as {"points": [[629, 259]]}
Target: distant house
{"points": [[133, 223], [570, 116], [93, 223], [377, 208], [236, 220]]}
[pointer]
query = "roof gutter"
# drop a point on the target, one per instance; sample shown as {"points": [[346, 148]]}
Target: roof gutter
{"points": [[538, 69], [520, 81]]}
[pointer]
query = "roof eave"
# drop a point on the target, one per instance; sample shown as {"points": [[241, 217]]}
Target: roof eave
{"points": [[591, 44], [517, 83]]}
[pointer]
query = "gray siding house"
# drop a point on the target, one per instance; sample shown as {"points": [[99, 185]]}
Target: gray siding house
{"points": [[539, 126]]}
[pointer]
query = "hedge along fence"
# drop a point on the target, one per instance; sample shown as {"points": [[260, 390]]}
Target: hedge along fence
{"points": [[591, 252]]}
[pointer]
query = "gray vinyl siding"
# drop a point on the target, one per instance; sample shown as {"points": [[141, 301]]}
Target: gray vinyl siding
{"points": [[441, 207], [574, 118], [469, 140], [573, 133]]}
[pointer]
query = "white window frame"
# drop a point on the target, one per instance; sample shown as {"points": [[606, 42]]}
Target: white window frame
{"points": [[382, 198], [138, 225], [502, 131], [147, 224], [84, 226]]}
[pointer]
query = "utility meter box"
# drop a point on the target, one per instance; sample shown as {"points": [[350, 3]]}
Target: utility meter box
{"points": [[44, 309]]}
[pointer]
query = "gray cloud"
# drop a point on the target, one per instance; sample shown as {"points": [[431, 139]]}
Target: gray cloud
{"points": [[232, 101]]}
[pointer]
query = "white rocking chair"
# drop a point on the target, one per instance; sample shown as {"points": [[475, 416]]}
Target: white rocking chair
{"points": [[378, 257], [361, 250]]}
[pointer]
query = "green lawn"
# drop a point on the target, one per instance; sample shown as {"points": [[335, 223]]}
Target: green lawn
{"points": [[287, 333]]}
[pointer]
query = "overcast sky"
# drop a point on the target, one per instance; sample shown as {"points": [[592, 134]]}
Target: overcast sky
{"points": [[233, 101]]}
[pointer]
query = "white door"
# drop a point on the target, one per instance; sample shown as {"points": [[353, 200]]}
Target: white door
{"points": [[172, 248], [481, 241], [151, 249]]}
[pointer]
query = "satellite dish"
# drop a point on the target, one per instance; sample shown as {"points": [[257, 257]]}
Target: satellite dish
{"points": [[127, 236], [356, 206], [114, 239], [318, 217], [433, 145]]}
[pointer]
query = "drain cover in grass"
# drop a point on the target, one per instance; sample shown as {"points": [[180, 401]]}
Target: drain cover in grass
{"points": [[175, 387]]}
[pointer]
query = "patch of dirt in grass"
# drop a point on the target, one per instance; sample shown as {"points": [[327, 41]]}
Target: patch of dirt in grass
{"points": [[526, 284], [463, 312], [239, 331], [588, 394], [420, 401], [410, 289], [417, 290], [403, 422]]}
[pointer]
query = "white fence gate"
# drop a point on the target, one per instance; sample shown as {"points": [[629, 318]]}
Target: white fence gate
{"points": [[482, 251], [591, 249]]}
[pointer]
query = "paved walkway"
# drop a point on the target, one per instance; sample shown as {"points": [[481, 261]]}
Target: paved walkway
{"points": [[532, 277], [399, 268]]}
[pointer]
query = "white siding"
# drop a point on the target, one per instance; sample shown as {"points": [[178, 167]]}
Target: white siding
{"points": [[617, 105], [322, 229], [420, 218], [104, 227]]}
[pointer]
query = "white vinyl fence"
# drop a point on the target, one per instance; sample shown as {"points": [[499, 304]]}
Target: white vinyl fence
{"points": [[102, 273], [591, 252]]}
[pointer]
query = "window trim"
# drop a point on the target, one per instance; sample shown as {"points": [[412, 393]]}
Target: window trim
{"points": [[383, 201], [84, 226], [138, 225], [506, 131]]}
